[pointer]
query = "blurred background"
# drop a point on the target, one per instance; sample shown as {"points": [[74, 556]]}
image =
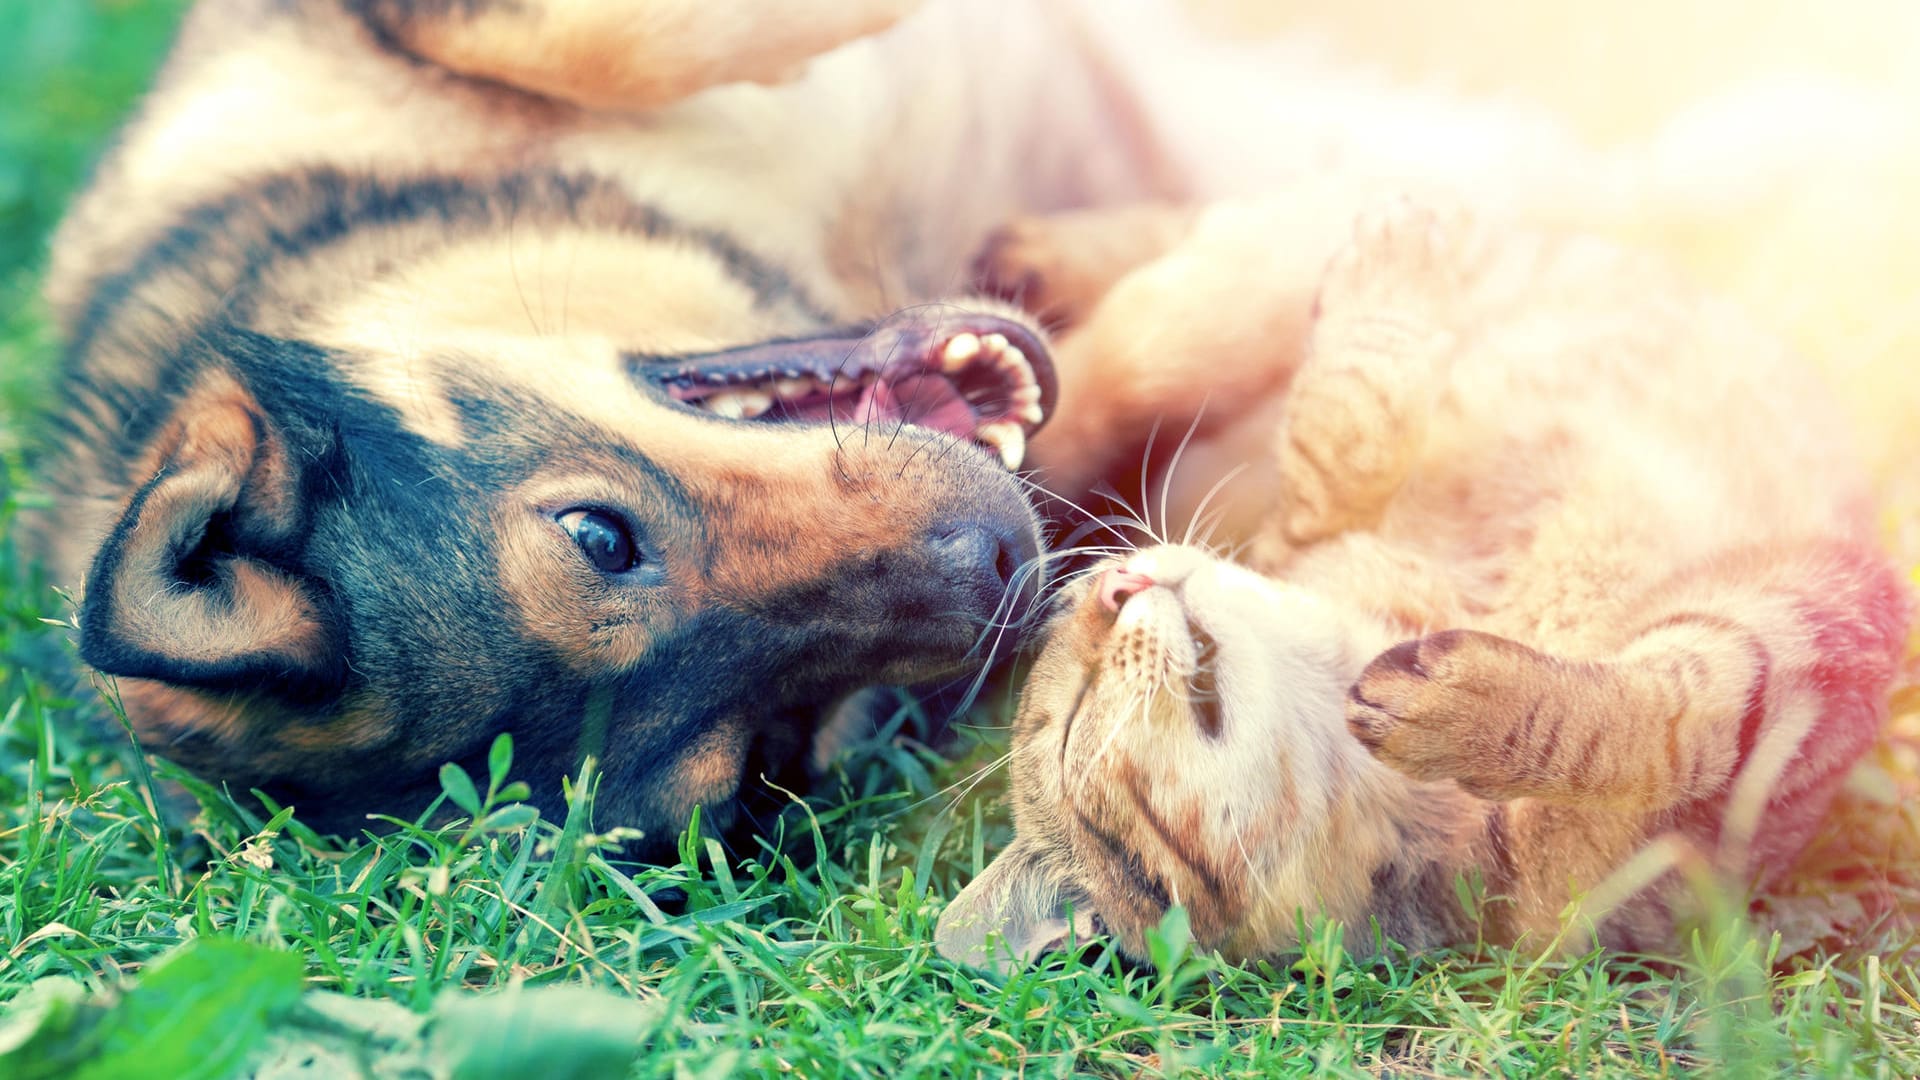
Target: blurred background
{"points": [[1830, 255], [1616, 70]]}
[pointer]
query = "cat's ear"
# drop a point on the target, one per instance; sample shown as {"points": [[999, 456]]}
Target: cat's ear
{"points": [[1010, 915]]}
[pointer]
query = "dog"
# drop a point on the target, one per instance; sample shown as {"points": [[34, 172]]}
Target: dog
{"points": [[393, 420], [442, 370]]}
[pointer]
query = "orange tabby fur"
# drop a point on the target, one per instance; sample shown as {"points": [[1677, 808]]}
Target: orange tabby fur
{"points": [[1562, 558]]}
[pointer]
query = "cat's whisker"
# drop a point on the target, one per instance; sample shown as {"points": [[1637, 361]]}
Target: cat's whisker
{"points": [[1112, 523], [1113, 734], [996, 625], [1236, 551], [1015, 585], [1173, 464], [1142, 515], [1199, 512], [1124, 522], [1093, 520], [970, 781], [1238, 832], [1205, 540]]}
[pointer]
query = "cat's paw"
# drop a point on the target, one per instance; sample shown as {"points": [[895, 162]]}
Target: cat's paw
{"points": [[1442, 707], [1348, 440], [1383, 330], [1395, 287]]}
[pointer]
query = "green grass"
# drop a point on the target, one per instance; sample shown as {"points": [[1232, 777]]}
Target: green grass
{"points": [[808, 951]]}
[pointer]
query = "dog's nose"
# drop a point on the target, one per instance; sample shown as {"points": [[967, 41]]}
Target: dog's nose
{"points": [[979, 559]]}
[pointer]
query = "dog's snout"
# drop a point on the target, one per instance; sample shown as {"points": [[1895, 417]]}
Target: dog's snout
{"points": [[980, 560], [986, 569]]}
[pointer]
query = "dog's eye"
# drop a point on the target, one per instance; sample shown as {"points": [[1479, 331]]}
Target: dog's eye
{"points": [[603, 539]]}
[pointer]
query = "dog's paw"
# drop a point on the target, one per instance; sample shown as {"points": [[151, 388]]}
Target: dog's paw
{"points": [[1059, 267], [1027, 264], [1441, 707]]}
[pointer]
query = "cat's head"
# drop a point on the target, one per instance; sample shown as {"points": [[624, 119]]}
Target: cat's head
{"points": [[1180, 741]]}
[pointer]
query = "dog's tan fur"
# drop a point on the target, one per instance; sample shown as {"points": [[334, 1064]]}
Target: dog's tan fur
{"points": [[352, 255]]}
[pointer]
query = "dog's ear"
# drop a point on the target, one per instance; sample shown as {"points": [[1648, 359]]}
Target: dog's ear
{"points": [[1011, 914], [193, 585]]}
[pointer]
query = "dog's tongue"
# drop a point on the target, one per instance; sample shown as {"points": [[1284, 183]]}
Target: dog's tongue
{"points": [[923, 398]]}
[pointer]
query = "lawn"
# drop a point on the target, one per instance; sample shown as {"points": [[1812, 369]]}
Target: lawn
{"points": [[137, 943]]}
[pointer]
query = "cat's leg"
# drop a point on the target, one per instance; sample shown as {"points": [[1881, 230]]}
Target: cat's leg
{"points": [[1204, 335], [1758, 679], [624, 54], [1723, 724], [1385, 325]]}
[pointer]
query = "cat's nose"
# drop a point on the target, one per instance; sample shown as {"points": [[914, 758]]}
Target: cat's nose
{"points": [[1119, 583]]}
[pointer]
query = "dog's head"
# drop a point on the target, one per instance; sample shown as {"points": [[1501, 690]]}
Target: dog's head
{"points": [[318, 585]]}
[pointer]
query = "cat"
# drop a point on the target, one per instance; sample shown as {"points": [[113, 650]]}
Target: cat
{"points": [[1564, 562]]}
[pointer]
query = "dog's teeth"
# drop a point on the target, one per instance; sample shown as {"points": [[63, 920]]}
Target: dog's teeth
{"points": [[1030, 414], [1013, 360], [738, 404], [793, 387], [959, 352], [1006, 438], [727, 405]]}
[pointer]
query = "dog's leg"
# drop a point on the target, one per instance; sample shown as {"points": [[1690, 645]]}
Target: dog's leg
{"points": [[624, 54], [1058, 266]]}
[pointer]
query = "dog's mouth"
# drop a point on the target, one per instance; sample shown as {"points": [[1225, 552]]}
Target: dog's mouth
{"points": [[978, 377]]}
